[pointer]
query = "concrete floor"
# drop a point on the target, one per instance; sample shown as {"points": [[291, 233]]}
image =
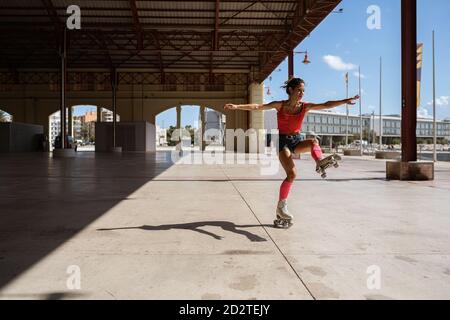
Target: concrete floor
{"points": [[136, 226]]}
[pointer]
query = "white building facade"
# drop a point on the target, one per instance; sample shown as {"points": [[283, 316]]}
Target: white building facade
{"points": [[331, 124]]}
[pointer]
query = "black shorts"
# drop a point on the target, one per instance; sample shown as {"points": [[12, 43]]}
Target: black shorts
{"points": [[289, 142]]}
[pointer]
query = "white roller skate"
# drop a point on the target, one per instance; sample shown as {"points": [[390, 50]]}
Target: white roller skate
{"points": [[284, 218], [325, 163]]}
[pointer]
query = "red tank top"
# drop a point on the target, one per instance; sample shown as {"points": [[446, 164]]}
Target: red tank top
{"points": [[290, 123]]}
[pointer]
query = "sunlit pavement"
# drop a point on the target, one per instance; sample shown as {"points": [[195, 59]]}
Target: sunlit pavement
{"points": [[136, 226]]}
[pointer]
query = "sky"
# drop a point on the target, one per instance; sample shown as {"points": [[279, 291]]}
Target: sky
{"points": [[343, 42]]}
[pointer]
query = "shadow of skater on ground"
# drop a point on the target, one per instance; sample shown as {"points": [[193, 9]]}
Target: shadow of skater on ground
{"points": [[194, 226]]}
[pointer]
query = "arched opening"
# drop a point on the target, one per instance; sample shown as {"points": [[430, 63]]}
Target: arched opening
{"points": [[191, 123], [82, 133], [5, 116], [166, 123]]}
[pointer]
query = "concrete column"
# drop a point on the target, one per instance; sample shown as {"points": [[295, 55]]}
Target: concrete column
{"points": [[256, 95], [63, 91], [99, 114], [70, 121], [114, 103], [179, 127], [178, 117], [202, 129], [64, 151]]}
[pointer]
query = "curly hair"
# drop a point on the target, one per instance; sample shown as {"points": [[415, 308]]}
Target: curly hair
{"points": [[292, 83]]}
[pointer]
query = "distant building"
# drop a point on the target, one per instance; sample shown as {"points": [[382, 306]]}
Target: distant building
{"points": [[392, 127], [77, 125], [54, 128], [161, 136], [107, 116], [90, 116], [332, 124]]}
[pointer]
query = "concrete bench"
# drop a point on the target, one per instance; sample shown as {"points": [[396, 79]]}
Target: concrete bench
{"points": [[352, 152], [393, 155]]}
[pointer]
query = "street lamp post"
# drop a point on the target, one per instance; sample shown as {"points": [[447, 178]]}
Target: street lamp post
{"points": [[305, 61], [346, 105]]}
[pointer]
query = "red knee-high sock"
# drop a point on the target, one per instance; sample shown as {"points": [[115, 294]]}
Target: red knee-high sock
{"points": [[285, 188], [316, 152]]}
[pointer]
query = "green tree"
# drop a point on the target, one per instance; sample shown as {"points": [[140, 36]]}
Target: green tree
{"points": [[191, 132], [84, 132], [169, 136]]}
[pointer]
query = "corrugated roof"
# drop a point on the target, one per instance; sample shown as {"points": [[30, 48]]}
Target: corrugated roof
{"points": [[121, 33]]}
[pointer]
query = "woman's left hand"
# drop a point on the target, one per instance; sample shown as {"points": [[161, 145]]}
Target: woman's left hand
{"points": [[353, 100]]}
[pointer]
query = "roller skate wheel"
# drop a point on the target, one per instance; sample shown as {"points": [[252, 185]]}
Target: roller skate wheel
{"points": [[324, 175]]}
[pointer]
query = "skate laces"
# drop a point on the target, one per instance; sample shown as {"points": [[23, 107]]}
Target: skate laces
{"points": [[282, 206]]}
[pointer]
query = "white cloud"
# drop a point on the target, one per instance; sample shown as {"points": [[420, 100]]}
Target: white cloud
{"points": [[423, 113], [356, 74], [441, 102], [336, 63]]}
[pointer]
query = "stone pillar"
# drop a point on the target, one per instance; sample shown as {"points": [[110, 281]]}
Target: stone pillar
{"points": [[256, 95], [99, 114], [202, 129], [63, 90], [179, 127], [70, 121]]}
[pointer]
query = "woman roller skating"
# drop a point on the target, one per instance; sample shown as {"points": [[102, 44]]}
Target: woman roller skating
{"points": [[290, 116]]}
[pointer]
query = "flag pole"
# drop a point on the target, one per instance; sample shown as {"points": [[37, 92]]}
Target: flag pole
{"points": [[381, 99], [360, 113], [434, 105], [346, 129]]}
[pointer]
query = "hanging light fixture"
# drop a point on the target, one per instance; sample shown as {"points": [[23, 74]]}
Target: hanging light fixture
{"points": [[306, 60], [268, 88]]}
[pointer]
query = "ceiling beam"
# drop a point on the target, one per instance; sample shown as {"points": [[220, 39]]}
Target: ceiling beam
{"points": [[137, 25]]}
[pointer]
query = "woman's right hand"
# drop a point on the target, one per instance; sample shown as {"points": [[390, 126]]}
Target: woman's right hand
{"points": [[230, 106]]}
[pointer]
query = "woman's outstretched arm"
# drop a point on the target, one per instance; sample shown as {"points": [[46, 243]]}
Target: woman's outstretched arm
{"points": [[254, 106], [331, 104]]}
